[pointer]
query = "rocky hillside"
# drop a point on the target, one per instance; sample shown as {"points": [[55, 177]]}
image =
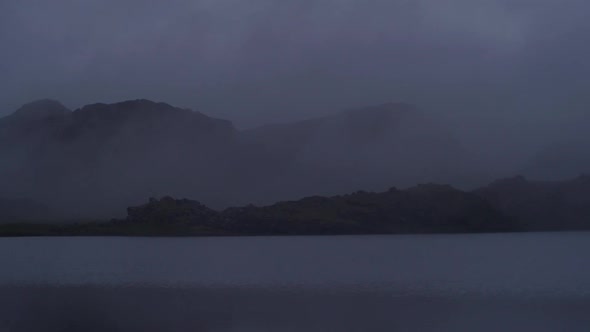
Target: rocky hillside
{"points": [[422, 209], [507, 205], [513, 204]]}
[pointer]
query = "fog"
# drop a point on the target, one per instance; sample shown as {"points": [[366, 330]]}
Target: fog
{"points": [[503, 80], [264, 61]]}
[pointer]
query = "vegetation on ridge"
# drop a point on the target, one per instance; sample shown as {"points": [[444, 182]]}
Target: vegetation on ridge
{"points": [[422, 209]]}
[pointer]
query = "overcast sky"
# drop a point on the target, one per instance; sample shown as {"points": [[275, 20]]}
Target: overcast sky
{"points": [[255, 61]]}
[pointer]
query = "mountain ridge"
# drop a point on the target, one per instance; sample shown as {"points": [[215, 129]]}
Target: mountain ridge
{"points": [[102, 157], [506, 205]]}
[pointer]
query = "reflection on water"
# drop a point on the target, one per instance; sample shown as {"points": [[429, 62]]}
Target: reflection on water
{"points": [[511, 282]]}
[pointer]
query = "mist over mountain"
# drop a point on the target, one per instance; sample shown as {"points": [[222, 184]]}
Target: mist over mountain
{"points": [[559, 160], [369, 148], [542, 205], [498, 83], [100, 158], [97, 160]]}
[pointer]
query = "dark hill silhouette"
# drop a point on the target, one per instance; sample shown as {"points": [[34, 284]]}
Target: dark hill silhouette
{"points": [[512, 204], [100, 158], [40, 110], [508, 205], [423, 209], [32, 124], [427, 208]]}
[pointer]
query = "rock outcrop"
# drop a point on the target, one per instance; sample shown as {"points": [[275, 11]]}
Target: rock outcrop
{"points": [[422, 209]]}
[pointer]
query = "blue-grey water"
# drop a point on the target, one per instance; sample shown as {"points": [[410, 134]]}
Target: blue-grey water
{"points": [[494, 282]]}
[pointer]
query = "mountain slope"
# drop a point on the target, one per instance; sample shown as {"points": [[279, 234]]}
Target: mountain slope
{"points": [[422, 209], [371, 148], [102, 157]]}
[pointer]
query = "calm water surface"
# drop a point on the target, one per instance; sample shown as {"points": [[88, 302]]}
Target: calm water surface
{"points": [[505, 282]]}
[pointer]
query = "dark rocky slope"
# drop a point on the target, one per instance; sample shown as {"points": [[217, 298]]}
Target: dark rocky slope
{"points": [[422, 209], [514, 204]]}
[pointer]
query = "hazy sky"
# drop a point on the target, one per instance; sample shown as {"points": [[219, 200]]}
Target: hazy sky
{"points": [[255, 61]]}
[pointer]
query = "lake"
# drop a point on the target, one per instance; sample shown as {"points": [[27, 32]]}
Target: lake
{"points": [[487, 282]]}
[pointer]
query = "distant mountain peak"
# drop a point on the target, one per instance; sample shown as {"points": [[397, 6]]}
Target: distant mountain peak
{"points": [[142, 109], [135, 106], [42, 109]]}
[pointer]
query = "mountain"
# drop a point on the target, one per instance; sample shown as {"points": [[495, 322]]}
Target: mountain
{"points": [[370, 147], [425, 208], [102, 157], [542, 205], [508, 205], [512, 204], [560, 160], [96, 160]]}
